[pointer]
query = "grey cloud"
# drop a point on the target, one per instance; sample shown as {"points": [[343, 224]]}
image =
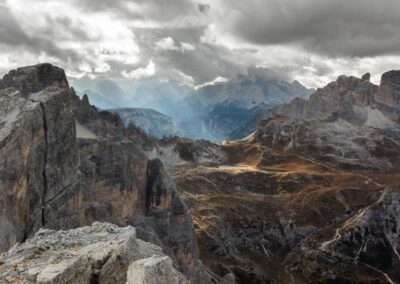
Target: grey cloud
{"points": [[203, 64], [65, 27], [99, 5], [334, 27], [10, 31], [204, 8], [162, 11], [149, 36], [311, 31], [13, 36]]}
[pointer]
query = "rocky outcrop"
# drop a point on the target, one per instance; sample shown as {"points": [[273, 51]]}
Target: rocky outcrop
{"points": [[56, 177], [364, 248], [343, 124], [389, 91], [101, 253], [33, 79], [39, 154], [154, 270], [175, 151]]}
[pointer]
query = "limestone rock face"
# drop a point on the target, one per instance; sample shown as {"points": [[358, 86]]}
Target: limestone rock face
{"points": [[33, 79], [389, 91], [101, 253], [177, 151], [346, 123], [366, 244], [124, 187], [366, 77], [39, 155], [334, 100], [21, 173], [154, 270]]}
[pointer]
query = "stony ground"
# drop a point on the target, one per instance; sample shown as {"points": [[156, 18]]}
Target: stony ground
{"points": [[101, 253], [252, 215]]}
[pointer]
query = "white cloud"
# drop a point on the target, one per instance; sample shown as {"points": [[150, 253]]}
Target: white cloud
{"points": [[166, 43], [141, 73], [213, 82], [81, 42], [102, 68], [187, 46], [186, 79]]}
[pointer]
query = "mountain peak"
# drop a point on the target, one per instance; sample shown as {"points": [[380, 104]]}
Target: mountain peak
{"points": [[389, 91], [35, 78], [366, 77]]}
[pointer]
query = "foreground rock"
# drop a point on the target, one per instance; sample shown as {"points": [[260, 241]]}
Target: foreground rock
{"points": [[39, 158], [101, 253]]}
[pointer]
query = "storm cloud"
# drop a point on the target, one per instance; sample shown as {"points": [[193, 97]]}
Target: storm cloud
{"points": [[335, 27], [312, 41]]}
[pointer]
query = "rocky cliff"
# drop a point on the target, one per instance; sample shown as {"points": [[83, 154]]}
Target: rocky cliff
{"points": [[40, 183], [347, 123], [65, 164]]}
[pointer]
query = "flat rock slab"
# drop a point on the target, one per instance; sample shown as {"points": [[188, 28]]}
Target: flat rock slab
{"points": [[101, 253]]}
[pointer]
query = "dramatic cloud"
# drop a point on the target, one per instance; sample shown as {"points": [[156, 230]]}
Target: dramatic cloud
{"points": [[200, 42], [334, 27], [141, 73]]}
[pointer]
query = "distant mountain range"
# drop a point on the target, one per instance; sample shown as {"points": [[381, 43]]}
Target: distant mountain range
{"points": [[150, 121], [223, 110]]}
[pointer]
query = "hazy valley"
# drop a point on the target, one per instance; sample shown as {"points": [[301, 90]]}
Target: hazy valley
{"points": [[220, 111]]}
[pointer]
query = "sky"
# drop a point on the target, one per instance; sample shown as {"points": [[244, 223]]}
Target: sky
{"points": [[205, 41]]}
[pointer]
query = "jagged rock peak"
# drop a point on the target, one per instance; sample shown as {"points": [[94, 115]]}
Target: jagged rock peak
{"points": [[366, 77], [348, 83], [392, 76], [32, 79], [389, 90]]}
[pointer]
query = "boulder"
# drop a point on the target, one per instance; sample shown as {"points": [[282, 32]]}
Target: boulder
{"points": [[101, 253]]}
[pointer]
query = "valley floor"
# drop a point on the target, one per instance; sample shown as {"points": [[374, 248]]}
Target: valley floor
{"points": [[252, 212]]}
